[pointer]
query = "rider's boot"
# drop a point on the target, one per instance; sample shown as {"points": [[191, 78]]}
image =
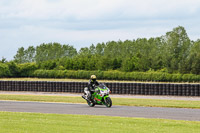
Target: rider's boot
{"points": [[87, 97], [83, 96]]}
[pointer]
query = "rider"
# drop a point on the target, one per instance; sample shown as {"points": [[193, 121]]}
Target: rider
{"points": [[91, 86]]}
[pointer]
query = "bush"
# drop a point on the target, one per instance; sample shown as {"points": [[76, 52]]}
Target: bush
{"points": [[4, 70], [27, 69], [117, 75], [11, 69], [14, 69]]}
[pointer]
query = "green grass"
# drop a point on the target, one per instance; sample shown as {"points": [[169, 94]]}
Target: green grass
{"points": [[116, 101], [11, 122]]}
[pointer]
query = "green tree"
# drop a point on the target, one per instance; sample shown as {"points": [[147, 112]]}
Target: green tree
{"points": [[100, 49], [4, 70], [20, 56], [27, 69], [116, 63], [176, 49], [194, 58], [30, 54], [53, 51], [14, 69], [92, 49], [25, 55], [84, 51], [48, 65]]}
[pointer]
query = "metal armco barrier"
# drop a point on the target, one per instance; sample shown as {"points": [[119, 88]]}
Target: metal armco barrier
{"points": [[116, 88]]}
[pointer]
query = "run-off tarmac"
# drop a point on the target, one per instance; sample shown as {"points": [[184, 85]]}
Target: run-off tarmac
{"points": [[84, 109]]}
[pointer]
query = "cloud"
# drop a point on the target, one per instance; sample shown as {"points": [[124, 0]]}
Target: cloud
{"points": [[44, 9], [96, 9], [83, 22]]}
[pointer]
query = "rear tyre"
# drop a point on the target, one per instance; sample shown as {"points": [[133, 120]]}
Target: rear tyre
{"points": [[91, 104], [108, 102]]}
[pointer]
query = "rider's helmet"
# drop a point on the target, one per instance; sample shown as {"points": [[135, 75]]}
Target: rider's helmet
{"points": [[93, 78]]}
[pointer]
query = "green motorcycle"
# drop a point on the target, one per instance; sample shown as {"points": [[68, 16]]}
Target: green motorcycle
{"points": [[100, 96]]}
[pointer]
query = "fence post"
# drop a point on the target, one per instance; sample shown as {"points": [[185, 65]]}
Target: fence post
{"points": [[171, 92], [160, 89], [196, 90], [156, 89], [117, 88], [184, 89], [175, 89], [0, 85], [187, 90], [142, 89], [179, 90]]}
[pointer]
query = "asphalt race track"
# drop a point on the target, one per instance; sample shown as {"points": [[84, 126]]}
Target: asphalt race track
{"points": [[84, 109]]}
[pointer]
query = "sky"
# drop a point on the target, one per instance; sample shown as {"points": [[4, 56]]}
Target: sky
{"points": [[80, 23]]}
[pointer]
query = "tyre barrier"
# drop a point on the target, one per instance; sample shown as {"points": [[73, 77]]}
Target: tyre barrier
{"points": [[116, 88]]}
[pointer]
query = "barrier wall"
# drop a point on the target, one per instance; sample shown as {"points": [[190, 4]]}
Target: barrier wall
{"points": [[116, 88]]}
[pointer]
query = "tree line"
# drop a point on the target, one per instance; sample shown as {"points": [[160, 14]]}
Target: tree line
{"points": [[44, 52], [172, 53]]}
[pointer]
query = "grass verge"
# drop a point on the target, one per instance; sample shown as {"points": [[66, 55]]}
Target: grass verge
{"points": [[116, 101], [13, 122]]}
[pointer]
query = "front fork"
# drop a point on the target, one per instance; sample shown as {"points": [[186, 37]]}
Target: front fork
{"points": [[104, 98]]}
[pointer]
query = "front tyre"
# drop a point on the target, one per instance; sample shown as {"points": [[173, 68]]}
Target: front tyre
{"points": [[91, 104], [108, 102]]}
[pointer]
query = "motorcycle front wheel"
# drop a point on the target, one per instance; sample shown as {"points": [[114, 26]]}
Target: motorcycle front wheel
{"points": [[108, 102]]}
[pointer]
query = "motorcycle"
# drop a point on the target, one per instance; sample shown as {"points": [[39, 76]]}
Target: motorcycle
{"points": [[100, 96]]}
